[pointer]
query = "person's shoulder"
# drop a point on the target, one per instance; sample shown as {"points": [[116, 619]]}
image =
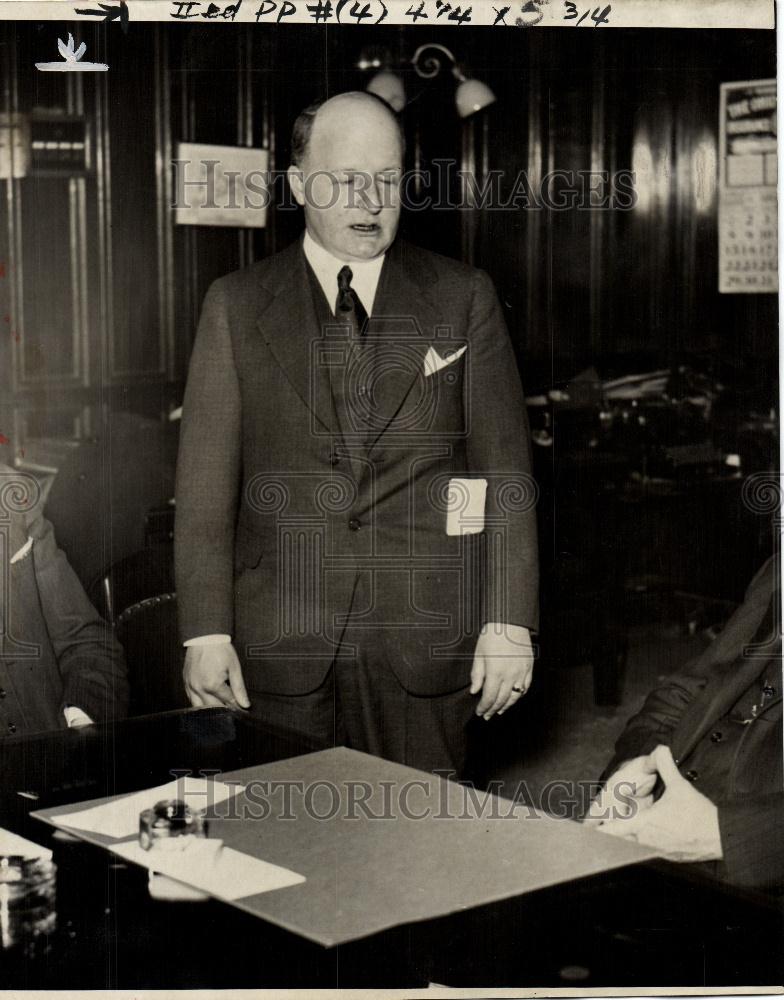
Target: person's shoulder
{"points": [[439, 266], [262, 276]]}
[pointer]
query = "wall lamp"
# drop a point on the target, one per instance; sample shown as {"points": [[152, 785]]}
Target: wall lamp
{"points": [[470, 96]]}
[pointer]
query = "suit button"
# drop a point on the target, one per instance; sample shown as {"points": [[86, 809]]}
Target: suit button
{"points": [[717, 737], [334, 459], [11, 727], [2, 692], [355, 524], [691, 775], [768, 690]]}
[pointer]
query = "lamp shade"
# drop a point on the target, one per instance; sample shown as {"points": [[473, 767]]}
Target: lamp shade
{"points": [[472, 96], [389, 87]]}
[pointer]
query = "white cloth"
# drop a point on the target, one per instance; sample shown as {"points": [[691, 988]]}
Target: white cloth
{"points": [[214, 639], [24, 551], [365, 273], [434, 362], [75, 717]]}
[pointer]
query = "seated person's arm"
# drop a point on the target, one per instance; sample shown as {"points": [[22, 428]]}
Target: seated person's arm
{"points": [[745, 834], [664, 706], [90, 659], [683, 825]]}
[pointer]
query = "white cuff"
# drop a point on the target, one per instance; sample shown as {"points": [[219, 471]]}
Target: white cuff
{"points": [[218, 639], [75, 718]]}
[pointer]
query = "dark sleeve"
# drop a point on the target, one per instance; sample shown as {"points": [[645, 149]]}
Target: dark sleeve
{"points": [[90, 660], [499, 450], [664, 707], [208, 472], [661, 713], [752, 840]]}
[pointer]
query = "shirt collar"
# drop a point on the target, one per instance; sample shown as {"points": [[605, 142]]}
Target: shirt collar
{"points": [[366, 273]]}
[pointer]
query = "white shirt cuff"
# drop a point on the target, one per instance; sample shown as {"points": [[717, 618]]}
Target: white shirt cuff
{"points": [[75, 717], [218, 639]]}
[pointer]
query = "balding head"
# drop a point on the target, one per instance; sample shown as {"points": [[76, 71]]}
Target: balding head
{"points": [[352, 102], [348, 161]]}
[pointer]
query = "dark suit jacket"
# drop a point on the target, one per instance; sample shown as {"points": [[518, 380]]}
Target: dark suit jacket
{"points": [[55, 649], [685, 711], [280, 505]]}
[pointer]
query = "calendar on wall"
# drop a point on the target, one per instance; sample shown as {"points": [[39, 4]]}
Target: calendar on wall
{"points": [[748, 206]]}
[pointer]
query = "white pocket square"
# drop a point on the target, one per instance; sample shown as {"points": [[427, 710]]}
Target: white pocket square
{"points": [[19, 555], [434, 362]]}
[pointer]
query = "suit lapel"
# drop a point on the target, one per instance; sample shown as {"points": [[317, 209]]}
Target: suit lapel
{"points": [[403, 321], [404, 315], [289, 325]]}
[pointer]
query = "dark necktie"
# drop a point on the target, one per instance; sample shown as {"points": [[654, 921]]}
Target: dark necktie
{"points": [[350, 308]]}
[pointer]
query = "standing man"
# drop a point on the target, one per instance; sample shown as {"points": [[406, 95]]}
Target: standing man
{"points": [[355, 539]]}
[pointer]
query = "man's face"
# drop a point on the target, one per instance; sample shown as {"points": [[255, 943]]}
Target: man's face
{"points": [[349, 184]]}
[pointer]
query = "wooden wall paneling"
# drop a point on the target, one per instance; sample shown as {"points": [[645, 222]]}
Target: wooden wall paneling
{"points": [[510, 154], [51, 238], [77, 209], [8, 346], [175, 357], [537, 323], [468, 168], [13, 271], [210, 77], [264, 97], [645, 278], [245, 136], [103, 285], [48, 284], [137, 347], [696, 165], [602, 159], [182, 129]]}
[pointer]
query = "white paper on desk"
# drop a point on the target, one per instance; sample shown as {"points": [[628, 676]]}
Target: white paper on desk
{"points": [[226, 874], [120, 817], [11, 844]]}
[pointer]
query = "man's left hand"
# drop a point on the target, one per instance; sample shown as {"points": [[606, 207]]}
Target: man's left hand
{"points": [[503, 665], [683, 824]]}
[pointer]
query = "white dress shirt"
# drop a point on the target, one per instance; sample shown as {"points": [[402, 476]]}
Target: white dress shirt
{"points": [[326, 267], [364, 281]]}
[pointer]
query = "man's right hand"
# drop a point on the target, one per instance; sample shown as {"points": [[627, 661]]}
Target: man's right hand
{"points": [[628, 789], [213, 677]]}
